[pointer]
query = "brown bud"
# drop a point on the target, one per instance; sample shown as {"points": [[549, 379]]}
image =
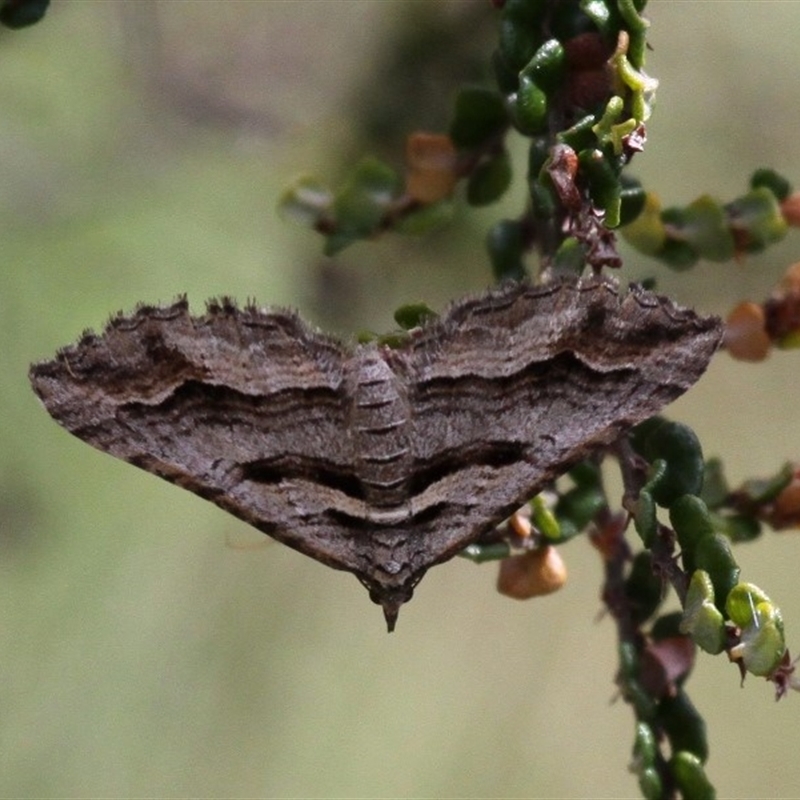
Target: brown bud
{"points": [[746, 337], [431, 167], [537, 572]]}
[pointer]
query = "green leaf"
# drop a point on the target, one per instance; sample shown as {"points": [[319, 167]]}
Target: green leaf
{"points": [[633, 199], [691, 777], [644, 518], [480, 553], [765, 490], [650, 784], [715, 486], [546, 68], [685, 728], [646, 232], [426, 218], [705, 228], [580, 505], [763, 644], [678, 255], [645, 747], [680, 448], [306, 201], [713, 554], [519, 40], [701, 619], [505, 244], [570, 258], [489, 180], [480, 114], [581, 135], [22, 13], [643, 588], [691, 520], [776, 183], [360, 205], [544, 520], [605, 188], [757, 220], [530, 107], [599, 13], [413, 315], [737, 527]]}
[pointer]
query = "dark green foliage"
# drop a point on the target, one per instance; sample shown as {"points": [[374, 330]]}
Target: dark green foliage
{"points": [[413, 315], [22, 13], [490, 180], [683, 725], [643, 588], [479, 115], [506, 245], [570, 77], [678, 446]]}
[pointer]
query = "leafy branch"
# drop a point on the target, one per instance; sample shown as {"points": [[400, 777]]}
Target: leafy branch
{"points": [[570, 78]]}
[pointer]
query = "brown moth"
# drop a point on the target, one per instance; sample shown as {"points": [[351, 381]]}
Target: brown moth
{"points": [[376, 460]]}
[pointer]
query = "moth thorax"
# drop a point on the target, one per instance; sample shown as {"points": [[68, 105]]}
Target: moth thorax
{"points": [[380, 431]]}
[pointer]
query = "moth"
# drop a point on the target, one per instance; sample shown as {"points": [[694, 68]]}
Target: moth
{"points": [[382, 461]]}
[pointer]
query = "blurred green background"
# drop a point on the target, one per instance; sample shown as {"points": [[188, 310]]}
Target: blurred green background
{"points": [[146, 649]]}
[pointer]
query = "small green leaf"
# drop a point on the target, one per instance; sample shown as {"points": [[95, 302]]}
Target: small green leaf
{"points": [[773, 181], [644, 518], [481, 553], [544, 519], [642, 702], [628, 659], [605, 188], [713, 554], [22, 13], [650, 784], [645, 747], [530, 107], [479, 115], [633, 199], [505, 244], [701, 619], [691, 777], [413, 315], [667, 626], [394, 339], [684, 726], [737, 527], [580, 505], [546, 68], [587, 474], [678, 445], [715, 486], [581, 135], [762, 644], [705, 228], [757, 220], [599, 13], [570, 258], [489, 180], [306, 201], [691, 520], [765, 490], [427, 218], [518, 40], [678, 255], [528, 13], [643, 588], [360, 205], [646, 232]]}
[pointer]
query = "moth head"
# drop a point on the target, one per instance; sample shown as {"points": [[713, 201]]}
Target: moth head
{"points": [[390, 600]]}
